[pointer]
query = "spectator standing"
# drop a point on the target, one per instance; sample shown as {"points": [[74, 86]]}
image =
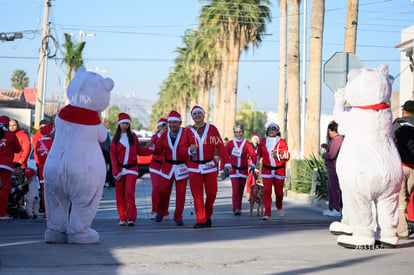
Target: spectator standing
{"points": [[403, 134], [155, 167], [200, 142], [42, 150], [332, 146], [240, 153], [124, 150], [9, 145], [174, 169], [24, 142], [274, 153]]}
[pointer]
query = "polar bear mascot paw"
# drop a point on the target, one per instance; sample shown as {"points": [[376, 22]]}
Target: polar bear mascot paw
{"points": [[368, 164], [75, 168]]}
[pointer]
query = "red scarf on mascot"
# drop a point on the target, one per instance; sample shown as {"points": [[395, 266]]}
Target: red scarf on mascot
{"points": [[79, 115]]}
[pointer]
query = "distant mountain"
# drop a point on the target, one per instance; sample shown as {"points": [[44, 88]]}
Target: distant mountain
{"points": [[138, 107]]}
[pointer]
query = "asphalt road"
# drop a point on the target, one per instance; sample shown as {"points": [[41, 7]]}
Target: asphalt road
{"points": [[298, 243]]}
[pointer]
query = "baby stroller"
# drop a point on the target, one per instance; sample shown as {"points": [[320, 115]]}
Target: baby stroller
{"points": [[15, 205]]}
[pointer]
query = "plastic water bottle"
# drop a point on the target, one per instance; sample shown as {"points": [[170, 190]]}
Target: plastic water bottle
{"points": [[194, 155]]}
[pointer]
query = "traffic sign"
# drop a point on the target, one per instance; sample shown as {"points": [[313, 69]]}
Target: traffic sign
{"points": [[336, 69]]}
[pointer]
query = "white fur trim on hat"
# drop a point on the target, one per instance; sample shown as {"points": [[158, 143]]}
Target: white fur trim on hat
{"points": [[124, 121], [197, 108]]}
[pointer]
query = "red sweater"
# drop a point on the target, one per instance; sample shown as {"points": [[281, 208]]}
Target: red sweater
{"points": [[9, 145]]}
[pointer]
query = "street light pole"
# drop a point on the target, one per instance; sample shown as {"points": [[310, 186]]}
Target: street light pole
{"points": [[41, 78]]}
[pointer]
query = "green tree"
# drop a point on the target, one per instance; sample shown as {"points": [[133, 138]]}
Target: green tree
{"points": [[19, 80], [237, 23], [113, 113], [73, 56], [254, 122]]}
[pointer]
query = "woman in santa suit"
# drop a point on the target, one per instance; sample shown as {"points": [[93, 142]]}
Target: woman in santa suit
{"points": [[155, 167], [173, 170], [255, 139], [239, 151], [42, 150], [200, 142], [124, 150], [9, 145], [274, 153]]}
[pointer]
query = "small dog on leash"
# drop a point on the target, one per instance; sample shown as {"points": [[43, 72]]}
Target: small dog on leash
{"points": [[256, 196]]}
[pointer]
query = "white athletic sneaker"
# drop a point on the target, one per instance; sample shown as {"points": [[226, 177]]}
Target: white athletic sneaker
{"points": [[7, 217], [332, 213], [153, 216], [266, 218], [281, 212]]}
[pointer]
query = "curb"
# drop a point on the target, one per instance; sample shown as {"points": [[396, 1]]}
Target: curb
{"points": [[306, 198]]}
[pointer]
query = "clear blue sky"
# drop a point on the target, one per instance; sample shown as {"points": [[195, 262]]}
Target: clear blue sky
{"points": [[135, 40]]}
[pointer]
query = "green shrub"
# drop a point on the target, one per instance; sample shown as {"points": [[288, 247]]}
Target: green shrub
{"points": [[302, 174]]}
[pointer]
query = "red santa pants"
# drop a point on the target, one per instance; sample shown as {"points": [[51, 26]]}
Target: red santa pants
{"points": [[155, 181], [237, 185], [165, 193], [5, 177], [199, 182], [125, 197], [268, 183]]}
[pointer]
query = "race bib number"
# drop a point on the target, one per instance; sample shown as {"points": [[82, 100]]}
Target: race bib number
{"points": [[181, 172], [237, 152], [207, 167]]}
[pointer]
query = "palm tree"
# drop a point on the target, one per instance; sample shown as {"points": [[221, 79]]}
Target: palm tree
{"points": [[238, 23], [281, 106], [351, 26], [313, 113], [293, 78], [19, 80], [73, 57]]}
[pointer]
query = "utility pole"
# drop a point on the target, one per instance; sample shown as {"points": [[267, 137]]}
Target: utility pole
{"points": [[82, 34], [303, 104], [41, 78], [351, 26]]}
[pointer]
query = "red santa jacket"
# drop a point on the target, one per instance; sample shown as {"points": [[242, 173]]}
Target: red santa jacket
{"points": [[174, 155], [206, 145], [35, 138], [24, 141], [273, 167], [124, 158], [239, 151], [42, 150], [157, 159], [9, 145]]}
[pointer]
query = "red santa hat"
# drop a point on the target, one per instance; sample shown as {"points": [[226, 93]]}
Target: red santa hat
{"points": [[4, 121], [255, 137], [197, 108], [273, 125], [124, 118], [30, 173], [174, 116], [162, 121], [47, 130]]}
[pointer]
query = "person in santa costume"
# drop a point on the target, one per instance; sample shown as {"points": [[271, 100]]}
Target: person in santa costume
{"points": [[42, 150], [274, 153], [9, 145], [155, 167], [254, 141], [240, 153], [200, 142], [173, 170], [124, 150]]}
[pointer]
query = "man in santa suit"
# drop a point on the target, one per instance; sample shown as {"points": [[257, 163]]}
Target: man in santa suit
{"points": [[173, 170], [155, 167], [274, 153], [42, 150], [200, 142]]}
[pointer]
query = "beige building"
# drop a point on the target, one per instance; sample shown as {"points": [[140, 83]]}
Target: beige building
{"points": [[406, 47]]}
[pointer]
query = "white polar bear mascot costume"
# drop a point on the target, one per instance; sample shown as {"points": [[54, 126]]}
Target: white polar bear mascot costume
{"points": [[368, 164], [75, 167]]}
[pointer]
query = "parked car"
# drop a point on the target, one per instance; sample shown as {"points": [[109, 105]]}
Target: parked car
{"points": [[143, 161], [31, 163]]}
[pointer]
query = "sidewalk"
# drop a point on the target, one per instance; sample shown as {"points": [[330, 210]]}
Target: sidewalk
{"points": [[298, 243]]}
